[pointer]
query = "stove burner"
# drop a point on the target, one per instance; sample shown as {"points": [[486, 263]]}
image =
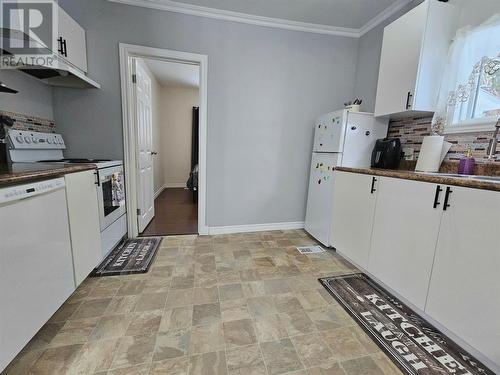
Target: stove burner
{"points": [[75, 161]]}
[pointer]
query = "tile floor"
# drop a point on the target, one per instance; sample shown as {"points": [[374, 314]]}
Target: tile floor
{"points": [[245, 304]]}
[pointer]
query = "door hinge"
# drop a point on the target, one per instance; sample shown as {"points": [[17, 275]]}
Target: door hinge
{"points": [[134, 78], [138, 212]]}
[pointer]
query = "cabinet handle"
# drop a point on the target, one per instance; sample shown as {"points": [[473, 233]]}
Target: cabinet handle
{"points": [[62, 49], [447, 198], [436, 197], [408, 98], [373, 190], [98, 178]]}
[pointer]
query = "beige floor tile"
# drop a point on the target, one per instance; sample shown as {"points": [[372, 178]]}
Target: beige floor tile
{"points": [[206, 295], [208, 364], [22, 363], [181, 297], [344, 344], [298, 323], [286, 303], [206, 314], [280, 357], [91, 308], [65, 312], [182, 282], [312, 350], [110, 327], [239, 333], [44, 336], [174, 366], [250, 274], [176, 318], [230, 291], [132, 370], [121, 305], [153, 301], [144, 323], [94, 357], [278, 286], [172, 344], [253, 289], [56, 360], [385, 364], [311, 299], [361, 366], [329, 317], [259, 306], [235, 309], [75, 332], [131, 288], [133, 350], [207, 338], [328, 369], [271, 327]]}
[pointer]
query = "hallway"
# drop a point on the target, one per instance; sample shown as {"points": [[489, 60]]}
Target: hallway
{"points": [[175, 213]]}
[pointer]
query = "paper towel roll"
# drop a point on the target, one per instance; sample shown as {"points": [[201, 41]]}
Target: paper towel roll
{"points": [[431, 154]]}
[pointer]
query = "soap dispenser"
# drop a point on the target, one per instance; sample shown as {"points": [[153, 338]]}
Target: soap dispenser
{"points": [[467, 163]]}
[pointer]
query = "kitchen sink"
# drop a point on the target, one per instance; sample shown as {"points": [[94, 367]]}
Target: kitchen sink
{"points": [[467, 177]]}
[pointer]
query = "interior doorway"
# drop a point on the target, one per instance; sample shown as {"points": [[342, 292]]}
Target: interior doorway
{"points": [[165, 140]]}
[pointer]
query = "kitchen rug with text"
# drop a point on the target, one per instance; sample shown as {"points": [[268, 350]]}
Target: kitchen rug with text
{"points": [[414, 345], [132, 256]]}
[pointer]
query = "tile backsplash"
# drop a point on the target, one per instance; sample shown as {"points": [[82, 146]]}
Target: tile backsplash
{"points": [[411, 131], [25, 122]]}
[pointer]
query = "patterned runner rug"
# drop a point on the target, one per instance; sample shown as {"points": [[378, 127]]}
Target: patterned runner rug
{"points": [[132, 256], [414, 345]]}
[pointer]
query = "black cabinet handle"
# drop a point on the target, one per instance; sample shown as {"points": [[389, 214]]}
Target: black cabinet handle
{"points": [[373, 190], [447, 198], [62, 49], [408, 105], [98, 178], [436, 197]]}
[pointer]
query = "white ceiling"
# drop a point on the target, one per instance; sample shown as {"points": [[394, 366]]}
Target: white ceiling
{"points": [[337, 13], [352, 18], [175, 74]]}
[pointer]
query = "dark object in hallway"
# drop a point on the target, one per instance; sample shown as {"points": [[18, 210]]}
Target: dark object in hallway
{"points": [[175, 213], [132, 256], [397, 329]]}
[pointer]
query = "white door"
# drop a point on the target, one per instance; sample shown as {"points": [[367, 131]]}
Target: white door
{"points": [[320, 196], [329, 132], [354, 206], [405, 232], [145, 187], [463, 294], [399, 62]]}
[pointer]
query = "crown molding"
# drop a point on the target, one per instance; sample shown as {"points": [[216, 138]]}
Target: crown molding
{"points": [[200, 11], [382, 16]]}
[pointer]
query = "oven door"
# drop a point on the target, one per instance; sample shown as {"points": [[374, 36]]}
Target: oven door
{"points": [[111, 194]]}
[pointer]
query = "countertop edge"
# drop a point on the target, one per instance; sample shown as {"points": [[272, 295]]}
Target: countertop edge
{"points": [[416, 176], [30, 176]]}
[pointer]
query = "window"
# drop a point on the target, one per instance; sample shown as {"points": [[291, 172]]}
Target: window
{"points": [[469, 99]]}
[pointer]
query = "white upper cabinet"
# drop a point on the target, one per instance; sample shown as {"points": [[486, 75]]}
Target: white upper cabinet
{"points": [[405, 232], [414, 53], [354, 206], [71, 42], [463, 293]]}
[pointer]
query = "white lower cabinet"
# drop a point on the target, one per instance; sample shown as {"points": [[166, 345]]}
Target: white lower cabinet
{"points": [[354, 207], [463, 293], [405, 231], [83, 213]]}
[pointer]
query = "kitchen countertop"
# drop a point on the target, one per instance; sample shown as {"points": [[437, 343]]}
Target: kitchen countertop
{"points": [[425, 177], [20, 173]]}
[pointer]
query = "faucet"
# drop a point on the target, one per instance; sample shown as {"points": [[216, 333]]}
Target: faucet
{"points": [[492, 148]]}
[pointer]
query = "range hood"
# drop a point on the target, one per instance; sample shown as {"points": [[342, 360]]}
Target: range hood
{"points": [[57, 72]]}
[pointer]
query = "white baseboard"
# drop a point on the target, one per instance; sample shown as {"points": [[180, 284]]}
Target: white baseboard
{"points": [[170, 185], [160, 190], [255, 228]]}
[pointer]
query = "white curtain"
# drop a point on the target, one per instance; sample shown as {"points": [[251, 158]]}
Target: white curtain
{"points": [[470, 88]]}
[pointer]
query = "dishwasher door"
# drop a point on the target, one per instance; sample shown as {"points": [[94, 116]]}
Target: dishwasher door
{"points": [[36, 267]]}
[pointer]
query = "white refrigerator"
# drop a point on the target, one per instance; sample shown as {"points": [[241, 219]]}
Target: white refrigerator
{"points": [[341, 138]]}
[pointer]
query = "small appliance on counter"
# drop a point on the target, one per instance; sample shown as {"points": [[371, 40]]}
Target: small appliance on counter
{"points": [[387, 153]]}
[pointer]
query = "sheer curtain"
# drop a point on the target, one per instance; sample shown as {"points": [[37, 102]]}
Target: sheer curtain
{"points": [[470, 88]]}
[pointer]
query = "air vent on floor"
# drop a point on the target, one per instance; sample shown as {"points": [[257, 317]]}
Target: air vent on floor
{"points": [[310, 249]]}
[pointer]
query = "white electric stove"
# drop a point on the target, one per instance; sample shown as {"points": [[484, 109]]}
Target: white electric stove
{"points": [[35, 147]]}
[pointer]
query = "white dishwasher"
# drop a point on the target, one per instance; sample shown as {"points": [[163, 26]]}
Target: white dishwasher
{"points": [[36, 267]]}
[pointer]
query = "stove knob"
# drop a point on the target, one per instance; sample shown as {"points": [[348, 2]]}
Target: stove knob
{"points": [[35, 140], [27, 139], [49, 141], [19, 139]]}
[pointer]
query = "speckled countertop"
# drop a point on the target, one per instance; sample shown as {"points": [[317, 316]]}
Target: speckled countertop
{"points": [[424, 177], [20, 173]]}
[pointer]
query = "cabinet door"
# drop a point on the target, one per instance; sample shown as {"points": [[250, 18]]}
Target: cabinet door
{"points": [[463, 293], [71, 43], [405, 232], [399, 62], [353, 209], [83, 212]]}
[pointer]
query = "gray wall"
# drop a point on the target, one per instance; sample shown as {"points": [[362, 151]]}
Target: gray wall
{"points": [[266, 87], [34, 97]]}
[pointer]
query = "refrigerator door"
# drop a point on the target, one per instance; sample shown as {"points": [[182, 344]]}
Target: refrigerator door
{"points": [[320, 197], [329, 132], [362, 131]]}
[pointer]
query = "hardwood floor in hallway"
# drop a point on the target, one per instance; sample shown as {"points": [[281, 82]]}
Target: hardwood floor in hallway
{"points": [[175, 214]]}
